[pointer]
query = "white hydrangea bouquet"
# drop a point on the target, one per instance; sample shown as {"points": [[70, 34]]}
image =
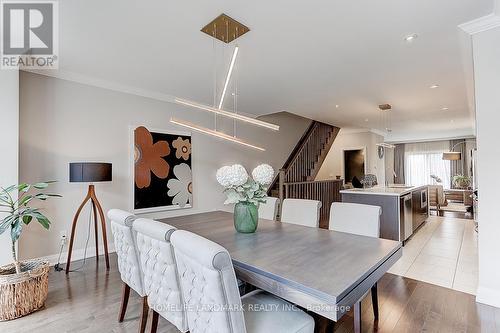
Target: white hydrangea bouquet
{"points": [[239, 187], [246, 193]]}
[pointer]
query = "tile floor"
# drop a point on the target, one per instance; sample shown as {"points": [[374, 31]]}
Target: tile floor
{"points": [[442, 252]]}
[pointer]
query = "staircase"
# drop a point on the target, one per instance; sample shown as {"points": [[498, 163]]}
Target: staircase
{"points": [[306, 158], [297, 177]]}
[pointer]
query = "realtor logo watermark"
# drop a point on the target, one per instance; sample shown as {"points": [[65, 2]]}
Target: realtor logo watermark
{"points": [[29, 34]]}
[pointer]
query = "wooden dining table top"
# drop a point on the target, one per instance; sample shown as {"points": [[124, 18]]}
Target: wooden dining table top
{"points": [[326, 264]]}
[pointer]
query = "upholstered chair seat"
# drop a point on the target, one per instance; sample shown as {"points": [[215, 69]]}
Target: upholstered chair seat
{"points": [[157, 262], [301, 211], [284, 319], [210, 292], [128, 262]]}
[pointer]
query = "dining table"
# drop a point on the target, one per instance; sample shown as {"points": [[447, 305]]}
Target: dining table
{"points": [[325, 272]]}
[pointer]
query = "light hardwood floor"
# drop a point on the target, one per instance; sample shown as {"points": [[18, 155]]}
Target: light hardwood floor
{"points": [[88, 301]]}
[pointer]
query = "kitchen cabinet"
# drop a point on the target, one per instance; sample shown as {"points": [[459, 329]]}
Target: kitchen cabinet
{"points": [[404, 208]]}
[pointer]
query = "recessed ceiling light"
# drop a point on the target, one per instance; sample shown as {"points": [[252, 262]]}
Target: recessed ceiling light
{"points": [[411, 38], [445, 108], [434, 86], [337, 106]]}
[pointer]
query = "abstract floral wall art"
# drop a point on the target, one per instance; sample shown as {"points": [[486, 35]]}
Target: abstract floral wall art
{"points": [[162, 170]]}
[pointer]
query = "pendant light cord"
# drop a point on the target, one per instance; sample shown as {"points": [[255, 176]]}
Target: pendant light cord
{"points": [[82, 265], [236, 79], [214, 46]]}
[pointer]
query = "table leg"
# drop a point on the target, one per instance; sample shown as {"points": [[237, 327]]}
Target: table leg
{"points": [[322, 324], [357, 317], [375, 301]]}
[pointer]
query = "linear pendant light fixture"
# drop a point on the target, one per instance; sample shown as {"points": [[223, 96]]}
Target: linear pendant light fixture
{"points": [[228, 77], [229, 29], [217, 134], [233, 115]]}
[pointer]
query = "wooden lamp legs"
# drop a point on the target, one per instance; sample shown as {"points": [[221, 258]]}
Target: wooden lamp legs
{"points": [[97, 209]]}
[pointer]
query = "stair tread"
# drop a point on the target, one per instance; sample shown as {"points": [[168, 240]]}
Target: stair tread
{"points": [[321, 137]]}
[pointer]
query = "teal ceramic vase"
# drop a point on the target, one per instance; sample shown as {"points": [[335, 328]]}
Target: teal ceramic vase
{"points": [[246, 217]]}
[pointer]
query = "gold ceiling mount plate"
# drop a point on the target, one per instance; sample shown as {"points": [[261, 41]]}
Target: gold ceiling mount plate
{"points": [[225, 28]]}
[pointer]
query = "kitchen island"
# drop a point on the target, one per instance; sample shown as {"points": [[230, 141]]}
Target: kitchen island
{"points": [[404, 208]]}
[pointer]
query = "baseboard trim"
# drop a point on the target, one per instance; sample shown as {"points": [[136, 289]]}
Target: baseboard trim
{"points": [[77, 254], [488, 296]]}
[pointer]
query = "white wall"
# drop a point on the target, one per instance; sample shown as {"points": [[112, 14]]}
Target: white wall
{"points": [[9, 134], [332, 166], [64, 121], [486, 47]]}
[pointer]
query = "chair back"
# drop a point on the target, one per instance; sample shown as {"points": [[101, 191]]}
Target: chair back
{"points": [[301, 211], [161, 281], [269, 209], [355, 219], [126, 249], [208, 284], [436, 195]]}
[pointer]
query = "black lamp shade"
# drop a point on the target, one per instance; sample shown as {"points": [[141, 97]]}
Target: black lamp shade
{"points": [[90, 172]]}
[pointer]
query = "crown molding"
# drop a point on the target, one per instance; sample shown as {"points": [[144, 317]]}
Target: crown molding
{"points": [[104, 84], [481, 24], [358, 130], [353, 130], [111, 85], [429, 139], [378, 132]]}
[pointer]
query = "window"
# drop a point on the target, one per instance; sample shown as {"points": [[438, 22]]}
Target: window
{"points": [[425, 159]]}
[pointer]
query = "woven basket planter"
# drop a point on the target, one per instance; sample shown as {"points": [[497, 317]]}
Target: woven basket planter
{"points": [[24, 293]]}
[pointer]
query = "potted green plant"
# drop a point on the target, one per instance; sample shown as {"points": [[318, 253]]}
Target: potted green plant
{"points": [[246, 193], [461, 181], [23, 285]]}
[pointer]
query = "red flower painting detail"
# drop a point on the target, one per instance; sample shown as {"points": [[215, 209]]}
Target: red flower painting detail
{"points": [[148, 157]]}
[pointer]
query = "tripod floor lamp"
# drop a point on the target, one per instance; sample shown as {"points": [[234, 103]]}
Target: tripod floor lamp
{"points": [[90, 172]]}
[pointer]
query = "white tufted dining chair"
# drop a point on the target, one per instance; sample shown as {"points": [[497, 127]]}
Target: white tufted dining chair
{"points": [[301, 211], [269, 209], [160, 272], [210, 292], [361, 220], [128, 262]]}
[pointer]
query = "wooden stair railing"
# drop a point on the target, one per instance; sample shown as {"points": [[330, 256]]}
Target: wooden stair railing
{"points": [[296, 178], [326, 191], [306, 158], [307, 161]]}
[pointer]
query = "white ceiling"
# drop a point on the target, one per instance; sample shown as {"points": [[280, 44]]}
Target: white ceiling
{"points": [[304, 57]]}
